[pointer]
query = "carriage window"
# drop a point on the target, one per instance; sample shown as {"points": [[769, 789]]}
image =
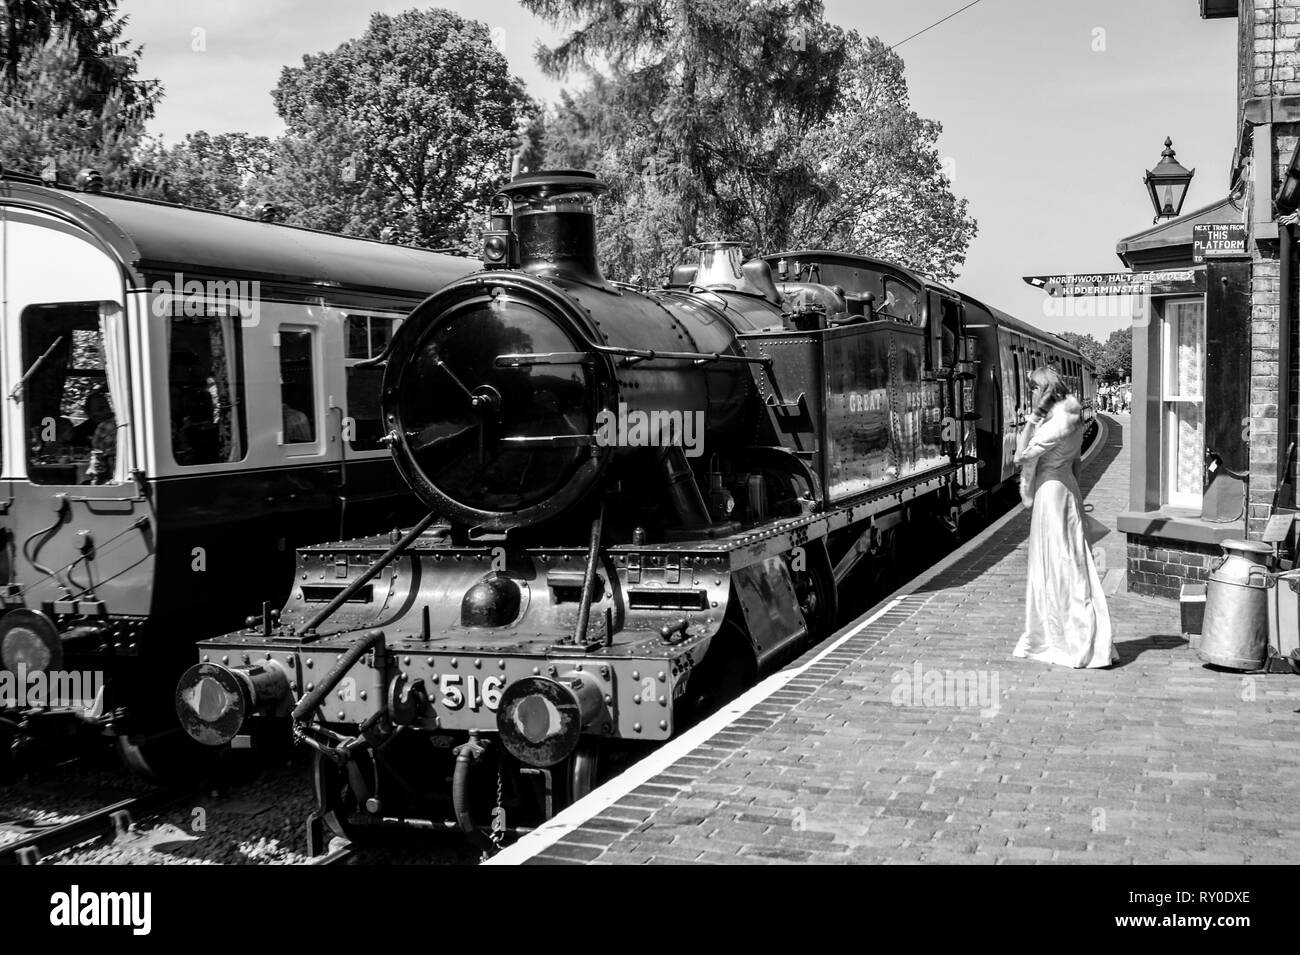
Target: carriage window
{"points": [[68, 393], [368, 336], [297, 387], [1015, 357], [205, 378]]}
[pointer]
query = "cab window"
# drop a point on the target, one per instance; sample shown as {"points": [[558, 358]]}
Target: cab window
{"points": [[901, 303]]}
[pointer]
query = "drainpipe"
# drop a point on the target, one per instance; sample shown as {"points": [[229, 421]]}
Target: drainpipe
{"points": [[1286, 240]]}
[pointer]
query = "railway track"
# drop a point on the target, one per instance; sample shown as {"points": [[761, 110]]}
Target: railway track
{"points": [[115, 819], [343, 854]]}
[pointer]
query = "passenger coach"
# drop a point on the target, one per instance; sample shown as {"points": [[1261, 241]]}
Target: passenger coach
{"points": [[186, 400]]}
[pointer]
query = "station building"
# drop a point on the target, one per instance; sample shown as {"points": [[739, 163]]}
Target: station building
{"points": [[1215, 347]]}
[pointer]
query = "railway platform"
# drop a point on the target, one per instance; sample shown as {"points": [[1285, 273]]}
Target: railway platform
{"points": [[913, 736]]}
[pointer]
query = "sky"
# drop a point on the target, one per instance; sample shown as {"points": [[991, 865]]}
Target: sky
{"points": [[1051, 109]]}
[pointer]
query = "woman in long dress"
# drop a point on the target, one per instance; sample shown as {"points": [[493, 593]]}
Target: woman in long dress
{"points": [[1067, 621]]}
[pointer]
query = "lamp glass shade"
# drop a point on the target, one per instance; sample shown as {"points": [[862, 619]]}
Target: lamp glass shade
{"points": [[1168, 184]]}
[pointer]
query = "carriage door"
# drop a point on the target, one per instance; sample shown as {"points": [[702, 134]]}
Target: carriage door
{"points": [[77, 548], [371, 496]]}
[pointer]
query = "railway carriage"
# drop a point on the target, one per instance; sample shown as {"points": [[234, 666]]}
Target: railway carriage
{"points": [[639, 501], [188, 397]]}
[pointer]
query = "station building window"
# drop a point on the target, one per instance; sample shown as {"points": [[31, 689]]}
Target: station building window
{"points": [[367, 337], [1183, 399], [205, 379]]}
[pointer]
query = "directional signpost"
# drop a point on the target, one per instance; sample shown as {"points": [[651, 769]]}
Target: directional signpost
{"points": [[1174, 281]]}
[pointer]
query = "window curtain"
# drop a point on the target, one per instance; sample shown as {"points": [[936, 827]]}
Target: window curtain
{"points": [[222, 345], [115, 374]]}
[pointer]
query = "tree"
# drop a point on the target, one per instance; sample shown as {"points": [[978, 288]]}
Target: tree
{"points": [[881, 185], [1116, 362], [1089, 347], [91, 27], [226, 172], [759, 121], [405, 129], [56, 117]]}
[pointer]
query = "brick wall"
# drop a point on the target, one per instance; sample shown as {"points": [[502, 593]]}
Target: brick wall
{"points": [[1158, 568], [1268, 67], [1246, 53]]}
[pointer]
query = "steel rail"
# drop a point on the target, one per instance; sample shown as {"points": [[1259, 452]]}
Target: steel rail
{"points": [[115, 819]]}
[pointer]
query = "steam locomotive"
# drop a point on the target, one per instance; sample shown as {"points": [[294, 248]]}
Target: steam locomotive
{"points": [[639, 501], [188, 398]]}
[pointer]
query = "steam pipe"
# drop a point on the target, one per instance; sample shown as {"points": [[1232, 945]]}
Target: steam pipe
{"points": [[685, 493], [589, 577], [369, 574], [466, 756]]}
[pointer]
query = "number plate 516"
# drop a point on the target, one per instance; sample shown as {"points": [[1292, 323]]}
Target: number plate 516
{"points": [[455, 690]]}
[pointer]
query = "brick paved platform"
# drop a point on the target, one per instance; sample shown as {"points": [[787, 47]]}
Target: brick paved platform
{"points": [[885, 750]]}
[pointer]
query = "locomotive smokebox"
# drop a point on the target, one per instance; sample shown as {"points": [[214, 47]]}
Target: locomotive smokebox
{"points": [[554, 220], [541, 720]]}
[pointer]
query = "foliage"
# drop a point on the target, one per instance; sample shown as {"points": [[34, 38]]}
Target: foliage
{"points": [[56, 119], [402, 133], [226, 172], [1089, 347], [755, 120], [91, 29], [1116, 362]]}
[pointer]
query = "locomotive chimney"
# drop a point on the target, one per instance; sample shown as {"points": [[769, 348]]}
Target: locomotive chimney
{"points": [[554, 221]]}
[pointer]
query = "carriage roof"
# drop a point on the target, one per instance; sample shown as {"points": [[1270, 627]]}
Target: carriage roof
{"points": [[154, 239]]}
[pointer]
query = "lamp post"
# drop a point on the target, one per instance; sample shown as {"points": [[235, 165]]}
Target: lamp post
{"points": [[1168, 183]]}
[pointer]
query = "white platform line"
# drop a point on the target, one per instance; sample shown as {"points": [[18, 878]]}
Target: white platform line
{"points": [[601, 798]]}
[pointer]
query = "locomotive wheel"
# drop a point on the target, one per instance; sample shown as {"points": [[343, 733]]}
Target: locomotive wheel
{"points": [[884, 563], [727, 670], [8, 738], [817, 602]]}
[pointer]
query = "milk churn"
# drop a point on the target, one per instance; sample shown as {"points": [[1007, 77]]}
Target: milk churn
{"points": [[1235, 633]]}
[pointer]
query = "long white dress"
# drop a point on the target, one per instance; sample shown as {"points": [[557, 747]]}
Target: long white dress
{"points": [[1067, 621]]}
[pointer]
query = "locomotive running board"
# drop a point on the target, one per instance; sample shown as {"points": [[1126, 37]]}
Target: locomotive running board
{"points": [[754, 545]]}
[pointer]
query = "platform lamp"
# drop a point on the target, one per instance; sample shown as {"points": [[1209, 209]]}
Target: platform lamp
{"points": [[1168, 183]]}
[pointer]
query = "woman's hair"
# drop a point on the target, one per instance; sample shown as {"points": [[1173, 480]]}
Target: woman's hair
{"points": [[1048, 378]]}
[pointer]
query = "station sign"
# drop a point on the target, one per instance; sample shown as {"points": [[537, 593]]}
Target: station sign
{"points": [[1169, 282], [1219, 240]]}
